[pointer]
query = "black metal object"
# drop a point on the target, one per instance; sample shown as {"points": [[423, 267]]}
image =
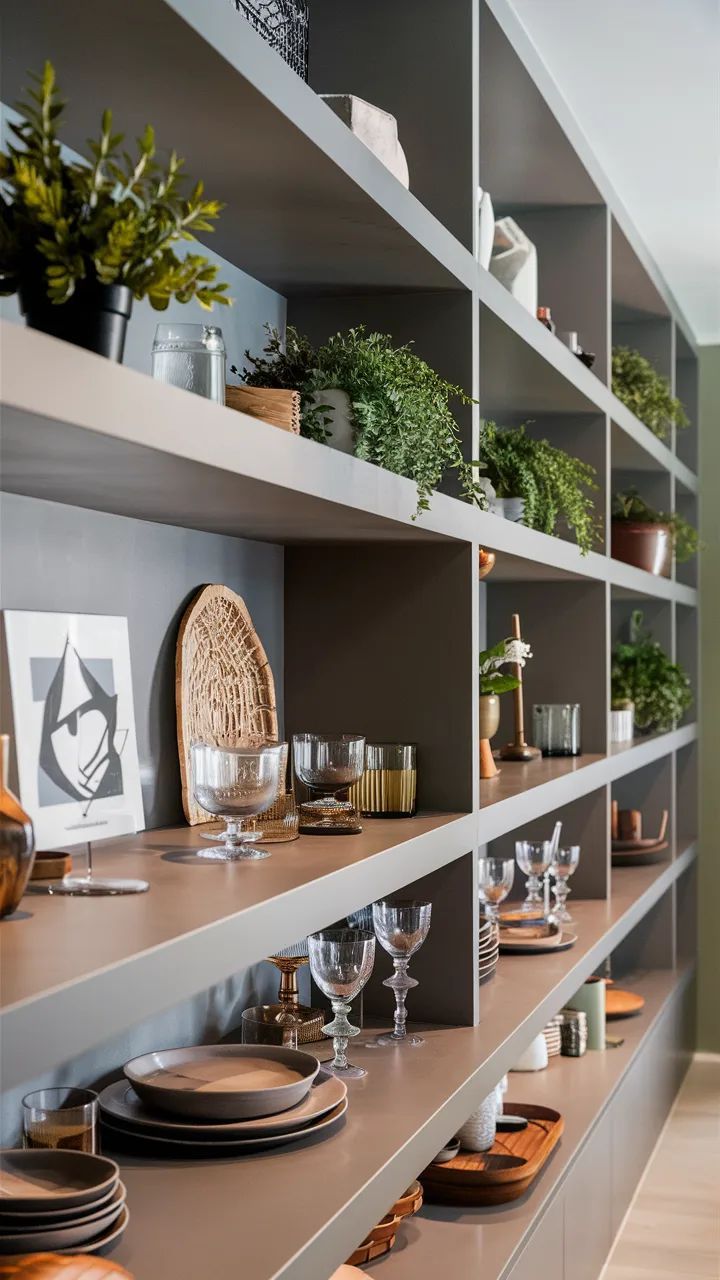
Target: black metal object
{"points": [[284, 24]]}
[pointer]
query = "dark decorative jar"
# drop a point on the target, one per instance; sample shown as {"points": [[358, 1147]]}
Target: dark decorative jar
{"points": [[95, 317], [284, 24], [17, 840]]}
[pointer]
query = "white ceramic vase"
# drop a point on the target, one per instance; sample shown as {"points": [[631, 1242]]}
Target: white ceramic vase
{"points": [[509, 508], [535, 1057], [478, 1131], [342, 436], [622, 725]]}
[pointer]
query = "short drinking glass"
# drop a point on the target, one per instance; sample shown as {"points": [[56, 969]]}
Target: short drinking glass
{"points": [[563, 865], [401, 926], [341, 961], [496, 877], [61, 1119], [533, 858]]}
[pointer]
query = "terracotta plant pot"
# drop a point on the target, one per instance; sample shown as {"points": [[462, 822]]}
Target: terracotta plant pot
{"points": [[489, 725], [647, 546]]}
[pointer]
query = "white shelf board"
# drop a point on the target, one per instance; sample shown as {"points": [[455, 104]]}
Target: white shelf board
{"points": [[126, 959]]}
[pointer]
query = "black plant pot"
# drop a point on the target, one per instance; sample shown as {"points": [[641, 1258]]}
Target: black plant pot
{"points": [[95, 317]]}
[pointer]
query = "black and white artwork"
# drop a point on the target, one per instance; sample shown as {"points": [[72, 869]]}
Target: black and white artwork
{"points": [[74, 725]]}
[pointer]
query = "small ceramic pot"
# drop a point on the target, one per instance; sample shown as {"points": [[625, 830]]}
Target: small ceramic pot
{"points": [[535, 1057], [622, 723], [478, 1131], [646, 546], [512, 509], [342, 435]]}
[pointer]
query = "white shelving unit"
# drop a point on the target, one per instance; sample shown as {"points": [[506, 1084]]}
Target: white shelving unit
{"points": [[311, 213]]}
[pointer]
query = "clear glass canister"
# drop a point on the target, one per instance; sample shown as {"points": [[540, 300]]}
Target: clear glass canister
{"points": [[556, 728], [191, 356]]}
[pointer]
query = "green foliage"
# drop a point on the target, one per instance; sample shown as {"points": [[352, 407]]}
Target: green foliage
{"points": [[401, 407], [643, 673], [552, 482], [629, 506], [645, 392], [113, 218], [492, 680]]}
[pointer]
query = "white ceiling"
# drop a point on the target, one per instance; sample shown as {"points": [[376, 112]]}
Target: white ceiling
{"points": [[642, 79]]}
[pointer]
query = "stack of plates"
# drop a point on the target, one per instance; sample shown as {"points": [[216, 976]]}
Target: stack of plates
{"points": [[532, 934], [553, 1036], [226, 1099], [59, 1201], [488, 951]]}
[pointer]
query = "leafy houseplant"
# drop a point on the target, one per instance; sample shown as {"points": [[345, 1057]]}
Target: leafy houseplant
{"points": [[646, 538], [401, 416], [645, 392], [80, 239], [551, 483], [643, 674], [493, 682]]}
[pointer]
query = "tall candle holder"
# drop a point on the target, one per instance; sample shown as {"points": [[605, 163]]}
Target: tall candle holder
{"points": [[518, 749]]}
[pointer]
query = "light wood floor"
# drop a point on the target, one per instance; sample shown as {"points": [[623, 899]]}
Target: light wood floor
{"points": [[672, 1231]]}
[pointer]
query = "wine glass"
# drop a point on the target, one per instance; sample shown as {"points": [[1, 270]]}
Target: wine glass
{"points": [[495, 880], [533, 858], [235, 783], [564, 862], [401, 926], [341, 961], [328, 763]]}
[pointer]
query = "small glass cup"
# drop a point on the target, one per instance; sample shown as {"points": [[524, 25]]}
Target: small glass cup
{"points": [[563, 865], [495, 880], [61, 1119], [533, 858], [556, 728], [191, 356], [388, 786]]}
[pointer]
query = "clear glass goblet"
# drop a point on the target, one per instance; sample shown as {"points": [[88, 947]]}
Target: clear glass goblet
{"points": [[235, 783], [563, 865], [495, 880], [328, 763], [533, 858], [401, 926], [341, 961]]}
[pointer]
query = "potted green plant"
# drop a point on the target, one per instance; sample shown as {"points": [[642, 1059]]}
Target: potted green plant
{"points": [[645, 392], [400, 415], [642, 673], [79, 239], [545, 484], [493, 682], [647, 538]]}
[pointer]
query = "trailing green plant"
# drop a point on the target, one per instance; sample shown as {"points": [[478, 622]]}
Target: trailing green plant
{"points": [[112, 218], [629, 506], [646, 392], [402, 419], [552, 483], [643, 673], [509, 650]]}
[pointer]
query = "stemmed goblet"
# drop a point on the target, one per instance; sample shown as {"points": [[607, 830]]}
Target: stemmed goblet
{"points": [[564, 863], [341, 961], [533, 858], [495, 880], [328, 763], [235, 783], [401, 926]]}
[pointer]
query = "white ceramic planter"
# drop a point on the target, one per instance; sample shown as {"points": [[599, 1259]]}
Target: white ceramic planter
{"points": [[341, 429], [622, 725], [509, 508], [535, 1057]]}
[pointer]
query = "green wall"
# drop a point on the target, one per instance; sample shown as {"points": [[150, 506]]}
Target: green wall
{"points": [[709, 989]]}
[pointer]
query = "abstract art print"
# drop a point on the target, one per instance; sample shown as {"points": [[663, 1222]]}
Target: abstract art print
{"points": [[74, 725]]}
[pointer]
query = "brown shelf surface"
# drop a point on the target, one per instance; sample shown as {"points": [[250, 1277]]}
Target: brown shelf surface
{"points": [[399, 1116], [487, 1241]]}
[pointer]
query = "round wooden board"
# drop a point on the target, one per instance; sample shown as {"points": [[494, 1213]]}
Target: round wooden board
{"points": [[224, 688], [622, 1004]]}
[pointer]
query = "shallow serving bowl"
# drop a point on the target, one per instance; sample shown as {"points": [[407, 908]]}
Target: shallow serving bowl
{"points": [[223, 1082], [46, 1180]]}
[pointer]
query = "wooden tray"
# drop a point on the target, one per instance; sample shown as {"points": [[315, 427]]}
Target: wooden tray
{"points": [[640, 857], [224, 688], [622, 1004], [505, 1171]]}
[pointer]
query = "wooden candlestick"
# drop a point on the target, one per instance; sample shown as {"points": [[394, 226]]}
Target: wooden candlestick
{"points": [[518, 749]]}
